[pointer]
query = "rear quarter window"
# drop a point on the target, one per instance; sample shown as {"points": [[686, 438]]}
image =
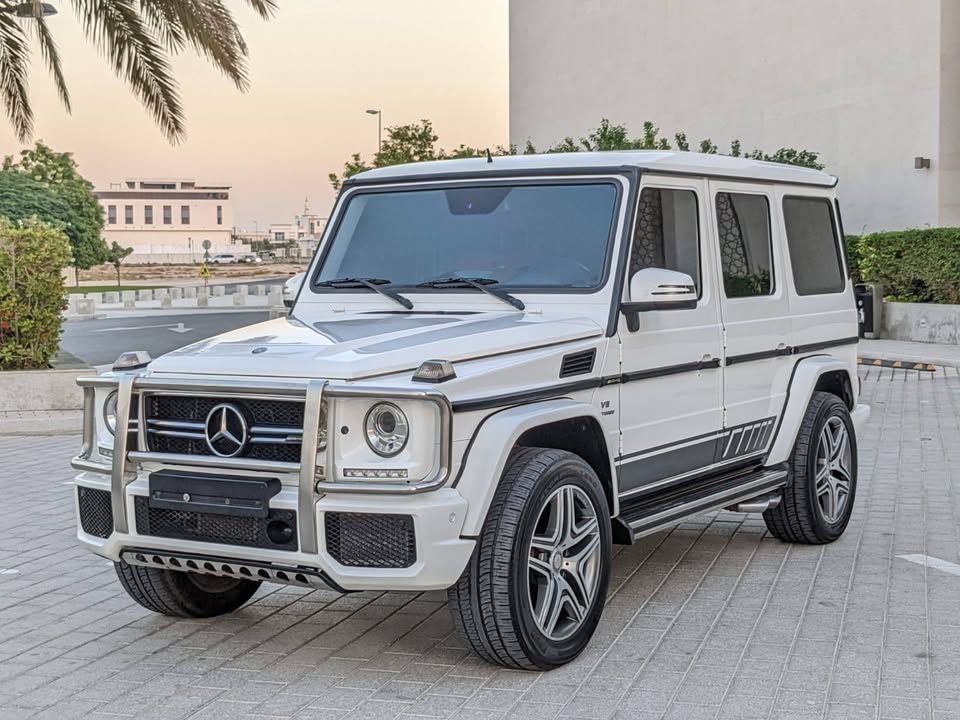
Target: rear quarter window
{"points": [[812, 242]]}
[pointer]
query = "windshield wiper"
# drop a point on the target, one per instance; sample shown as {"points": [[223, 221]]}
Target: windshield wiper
{"points": [[378, 285], [482, 284]]}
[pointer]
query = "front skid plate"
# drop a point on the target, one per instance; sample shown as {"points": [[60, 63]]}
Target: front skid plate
{"points": [[228, 567]]}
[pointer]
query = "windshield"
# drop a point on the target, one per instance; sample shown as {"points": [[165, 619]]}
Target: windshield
{"points": [[521, 236]]}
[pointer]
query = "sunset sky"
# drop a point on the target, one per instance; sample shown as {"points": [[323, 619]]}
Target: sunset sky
{"points": [[314, 69]]}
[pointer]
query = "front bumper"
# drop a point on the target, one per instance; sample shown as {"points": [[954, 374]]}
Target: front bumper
{"points": [[438, 516]]}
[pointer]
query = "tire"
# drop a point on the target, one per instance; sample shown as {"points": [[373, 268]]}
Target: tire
{"points": [[184, 594], [804, 513], [494, 601]]}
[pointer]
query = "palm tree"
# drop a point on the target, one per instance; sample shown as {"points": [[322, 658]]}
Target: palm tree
{"points": [[137, 37]]}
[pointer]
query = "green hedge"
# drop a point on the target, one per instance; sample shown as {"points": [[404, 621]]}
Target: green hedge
{"points": [[32, 255], [911, 265]]}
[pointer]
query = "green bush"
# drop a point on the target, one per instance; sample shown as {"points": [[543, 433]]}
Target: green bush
{"points": [[32, 257], [911, 265]]}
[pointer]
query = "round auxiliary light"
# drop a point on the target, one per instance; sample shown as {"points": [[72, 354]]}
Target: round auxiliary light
{"points": [[110, 412], [387, 429]]}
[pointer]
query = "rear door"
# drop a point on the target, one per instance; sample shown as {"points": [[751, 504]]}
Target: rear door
{"points": [[755, 311]]}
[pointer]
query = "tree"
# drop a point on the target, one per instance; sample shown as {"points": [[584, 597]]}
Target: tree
{"points": [[116, 255], [417, 142], [138, 38], [83, 222]]}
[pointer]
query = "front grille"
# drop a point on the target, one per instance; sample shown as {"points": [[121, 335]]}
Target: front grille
{"points": [[369, 540], [177, 424], [96, 513], [278, 531]]}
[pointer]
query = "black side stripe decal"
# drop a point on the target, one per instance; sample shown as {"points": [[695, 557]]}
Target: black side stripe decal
{"points": [[525, 396], [552, 391], [790, 350]]}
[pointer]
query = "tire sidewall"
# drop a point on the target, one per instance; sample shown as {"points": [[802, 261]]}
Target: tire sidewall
{"points": [[544, 652], [832, 408]]}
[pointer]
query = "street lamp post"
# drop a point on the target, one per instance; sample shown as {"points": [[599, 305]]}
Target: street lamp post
{"points": [[379, 115]]}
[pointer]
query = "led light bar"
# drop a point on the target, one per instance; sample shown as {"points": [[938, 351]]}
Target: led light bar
{"points": [[376, 474]]}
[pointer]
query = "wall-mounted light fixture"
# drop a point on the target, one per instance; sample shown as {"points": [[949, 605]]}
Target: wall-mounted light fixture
{"points": [[921, 163]]}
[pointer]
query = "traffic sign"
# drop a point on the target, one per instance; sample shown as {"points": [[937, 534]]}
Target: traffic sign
{"points": [[204, 271]]}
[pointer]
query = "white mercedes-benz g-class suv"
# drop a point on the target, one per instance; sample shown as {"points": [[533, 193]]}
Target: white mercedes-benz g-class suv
{"points": [[495, 369]]}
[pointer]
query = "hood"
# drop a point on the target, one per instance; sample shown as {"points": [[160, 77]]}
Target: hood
{"points": [[352, 347]]}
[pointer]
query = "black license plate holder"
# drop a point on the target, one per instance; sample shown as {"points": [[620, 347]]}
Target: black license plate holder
{"points": [[219, 494]]}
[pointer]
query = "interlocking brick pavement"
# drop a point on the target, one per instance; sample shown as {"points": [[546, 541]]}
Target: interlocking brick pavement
{"points": [[712, 619]]}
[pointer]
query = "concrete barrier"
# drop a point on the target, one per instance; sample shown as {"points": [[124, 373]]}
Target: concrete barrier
{"points": [[144, 294], [275, 298], [260, 290], [218, 290], [203, 300], [86, 306], [241, 290], [189, 292], [921, 322], [176, 293], [41, 390], [130, 295], [239, 298], [111, 298]]}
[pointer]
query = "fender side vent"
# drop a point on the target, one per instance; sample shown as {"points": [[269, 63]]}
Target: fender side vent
{"points": [[579, 363]]}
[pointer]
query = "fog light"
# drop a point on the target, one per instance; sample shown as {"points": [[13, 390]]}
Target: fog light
{"points": [[105, 451], [376, 474]]}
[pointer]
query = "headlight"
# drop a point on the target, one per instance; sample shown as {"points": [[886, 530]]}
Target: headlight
{"points": [[110, 412], [387, 429]]}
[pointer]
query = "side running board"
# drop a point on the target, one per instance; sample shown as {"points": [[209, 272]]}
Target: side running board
{"points": [[649, 515]]}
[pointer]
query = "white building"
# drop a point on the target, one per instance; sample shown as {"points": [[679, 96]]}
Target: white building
{"points": [[872, 85], [168, 220]]}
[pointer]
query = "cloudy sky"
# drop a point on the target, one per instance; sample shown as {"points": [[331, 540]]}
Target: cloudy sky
{"points": [[315, 68]]}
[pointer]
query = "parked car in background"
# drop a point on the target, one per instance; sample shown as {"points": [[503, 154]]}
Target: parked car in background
{"points": [[224, 260], [291, 287], [267, 255], [250, 259], [498, 370]]}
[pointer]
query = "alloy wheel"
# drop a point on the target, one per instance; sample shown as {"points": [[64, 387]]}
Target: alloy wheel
{"points": [[833, 476], [563, 562]]}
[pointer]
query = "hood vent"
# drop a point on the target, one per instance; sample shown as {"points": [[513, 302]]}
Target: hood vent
{"points": [[579, 363]]}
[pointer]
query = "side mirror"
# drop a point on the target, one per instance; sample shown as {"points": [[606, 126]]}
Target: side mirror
{"points": [[658, 289]]}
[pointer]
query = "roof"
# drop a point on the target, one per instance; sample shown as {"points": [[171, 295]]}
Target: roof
{"points": [[671, 162]]}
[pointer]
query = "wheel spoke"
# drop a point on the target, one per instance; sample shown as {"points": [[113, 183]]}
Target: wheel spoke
{"points": [[549, 604], [540, 566]]}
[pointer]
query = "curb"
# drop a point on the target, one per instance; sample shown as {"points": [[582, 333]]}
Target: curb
{"points": [[923, 366]]}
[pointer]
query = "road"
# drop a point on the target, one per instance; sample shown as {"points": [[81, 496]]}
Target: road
{"points": [[99, 342]]}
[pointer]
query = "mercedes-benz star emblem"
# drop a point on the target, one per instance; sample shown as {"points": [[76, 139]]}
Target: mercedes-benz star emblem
{"points": [[226, 430]]}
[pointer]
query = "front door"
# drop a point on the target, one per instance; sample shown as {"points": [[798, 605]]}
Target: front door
{"points": [[671, 388], [755, 309]]}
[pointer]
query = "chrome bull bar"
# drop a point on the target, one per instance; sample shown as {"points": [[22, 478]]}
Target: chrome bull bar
{"points": [[314, 480]]}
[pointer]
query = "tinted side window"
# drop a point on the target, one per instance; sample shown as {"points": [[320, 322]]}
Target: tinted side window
{"points": [[667, 233], [743, 225], [812, 240]]}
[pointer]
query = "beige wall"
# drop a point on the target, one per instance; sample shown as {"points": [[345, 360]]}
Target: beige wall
{"points": [[858, 81]]}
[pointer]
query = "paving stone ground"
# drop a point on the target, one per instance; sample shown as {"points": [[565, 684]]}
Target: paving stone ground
{"points": [[712, 619]]}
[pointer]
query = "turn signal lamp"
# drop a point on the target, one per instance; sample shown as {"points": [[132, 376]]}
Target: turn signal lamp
{"points": [[435, 371]]}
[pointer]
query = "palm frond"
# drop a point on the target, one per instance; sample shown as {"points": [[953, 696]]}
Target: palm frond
{"points": [[119, 33], [14, 69], [208, 26], [266, 9], [51, 55]]}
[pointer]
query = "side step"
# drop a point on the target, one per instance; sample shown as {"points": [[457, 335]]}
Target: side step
{"points": [[650, 514]]}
